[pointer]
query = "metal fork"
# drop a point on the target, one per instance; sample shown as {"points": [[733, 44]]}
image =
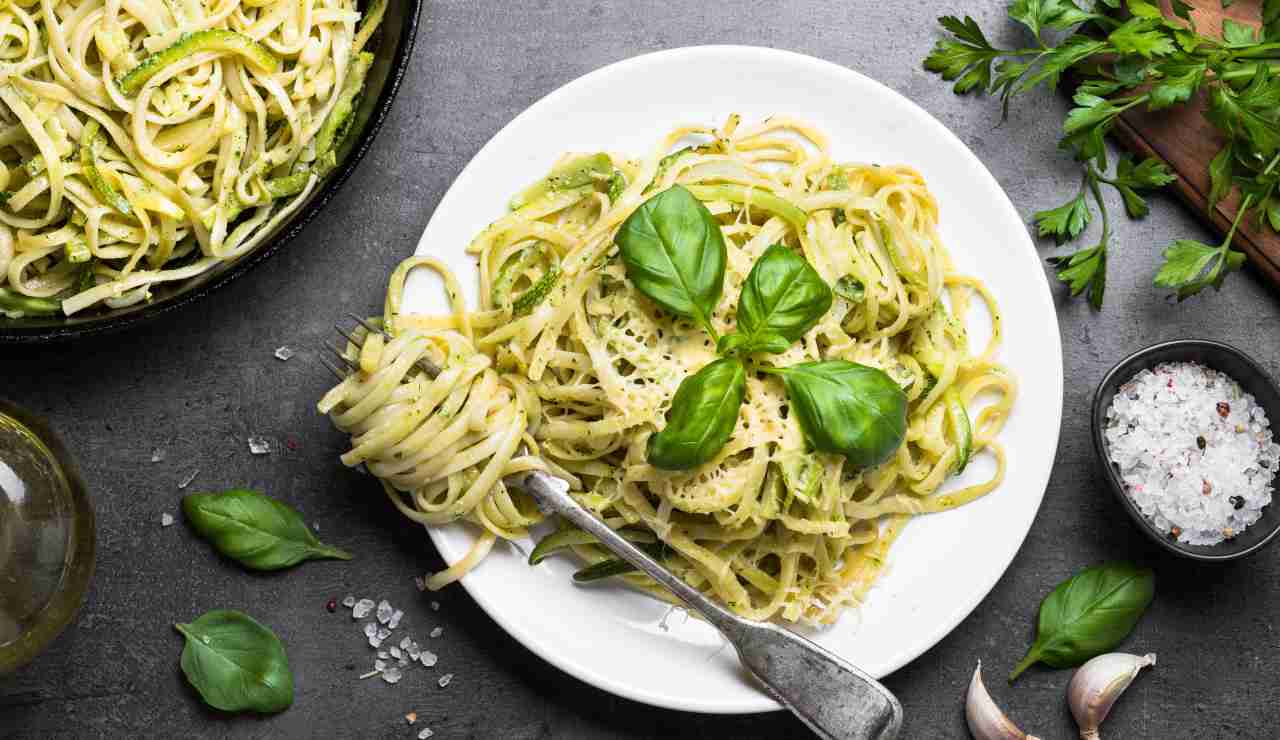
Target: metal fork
{"points": [[830, 695]]}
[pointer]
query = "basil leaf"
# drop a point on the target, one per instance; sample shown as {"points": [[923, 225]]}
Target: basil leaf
{"points": [[1089, 614], [847, 408], [702, 416], [675, 254], [782, 298], [259, 532], [236, 664]]}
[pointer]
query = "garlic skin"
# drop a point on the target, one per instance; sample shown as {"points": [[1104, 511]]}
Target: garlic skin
{"points": [[1097, 685], [986, 721]]}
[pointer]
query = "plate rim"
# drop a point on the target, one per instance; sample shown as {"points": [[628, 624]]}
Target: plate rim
{"points": [[606, 682]]}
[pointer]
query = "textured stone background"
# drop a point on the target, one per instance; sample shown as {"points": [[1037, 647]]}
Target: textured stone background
{"points": [[197, 383]]}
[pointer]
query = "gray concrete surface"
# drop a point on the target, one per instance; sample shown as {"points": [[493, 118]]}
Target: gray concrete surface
{"points": [[198, 382]]}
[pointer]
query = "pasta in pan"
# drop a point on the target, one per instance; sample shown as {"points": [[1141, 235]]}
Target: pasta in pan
{"points": [[566, 367], [144, 142]]}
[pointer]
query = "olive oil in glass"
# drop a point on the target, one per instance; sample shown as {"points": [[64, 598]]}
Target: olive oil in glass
{"points": [[46, 537]]}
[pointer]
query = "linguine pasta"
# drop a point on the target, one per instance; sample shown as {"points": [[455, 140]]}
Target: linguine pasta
{"points": [[144, 142], [565, 367]]}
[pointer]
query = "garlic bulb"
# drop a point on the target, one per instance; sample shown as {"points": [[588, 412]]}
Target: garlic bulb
{"points": [[1097, 684], [986, 721]]}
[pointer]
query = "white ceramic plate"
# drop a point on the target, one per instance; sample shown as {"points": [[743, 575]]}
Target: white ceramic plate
{"points": [[943, 565]]}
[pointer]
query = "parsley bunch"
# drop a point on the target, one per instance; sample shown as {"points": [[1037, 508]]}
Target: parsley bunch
{"points": [[1127, 54]]}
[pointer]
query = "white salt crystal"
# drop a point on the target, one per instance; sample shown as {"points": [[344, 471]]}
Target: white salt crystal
{"points": [[283, 354], [414, 651], [349, 602], [392, 674], [166, 519], [384, 611], [259, 445], [445, 679], [380, 665], [375, 641], [383, 633], [403, 660], [370, 629], [395, 652], [437, 631], [362, 609], [190, 477], [394, 621], [1194, 451], [384, 654], [429, 658], [404, 643], [435, 606], [426, 733], [157, 455]]}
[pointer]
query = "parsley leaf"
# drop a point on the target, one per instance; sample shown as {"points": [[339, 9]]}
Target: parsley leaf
{"points": [[1220, 175], [1190, 267], [1141, 36], [1066, 221], [1179, 80], [1238, 34], [1270, 20], [1085, 269], [967, 58]]}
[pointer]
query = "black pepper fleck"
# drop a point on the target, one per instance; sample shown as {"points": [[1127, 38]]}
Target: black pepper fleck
{"points": [[1200, 442], [1237, 501]]}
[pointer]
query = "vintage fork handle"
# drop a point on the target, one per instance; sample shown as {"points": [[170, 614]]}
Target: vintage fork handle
{"points": [[827, 693]]}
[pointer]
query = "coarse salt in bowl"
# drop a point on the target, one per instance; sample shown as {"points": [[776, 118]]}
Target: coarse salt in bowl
{"points": [[1183, 432]]}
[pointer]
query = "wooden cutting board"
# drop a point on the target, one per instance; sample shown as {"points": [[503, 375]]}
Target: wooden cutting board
{"points": [[1184, 139]]}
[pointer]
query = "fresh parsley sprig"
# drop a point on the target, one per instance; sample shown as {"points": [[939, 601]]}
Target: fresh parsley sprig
{"points": [[1127, 55]]}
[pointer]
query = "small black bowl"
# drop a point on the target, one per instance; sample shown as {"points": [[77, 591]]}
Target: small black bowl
{"points": [[1251, 377]]}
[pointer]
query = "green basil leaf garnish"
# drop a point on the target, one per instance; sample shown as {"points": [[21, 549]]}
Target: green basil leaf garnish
{"points": [[675, 254], [1089, 614], [847, 408], [236, 664], [259, 532], [703, 413], [782, 298]]}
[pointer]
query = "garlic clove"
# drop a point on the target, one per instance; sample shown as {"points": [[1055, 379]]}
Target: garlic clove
{"points": [[1097, 685], [986, 721]]}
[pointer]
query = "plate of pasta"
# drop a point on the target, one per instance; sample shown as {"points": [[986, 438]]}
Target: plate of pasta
{"points": [[769, 320]]}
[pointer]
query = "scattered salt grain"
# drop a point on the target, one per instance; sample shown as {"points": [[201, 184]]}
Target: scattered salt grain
{"points": [[393, 674], [435, 606], [429, 658], [349, 602], [379, 665], [426, 733], [384, 654], [283, 354], [190, 477], [166, 519], [384, 611], [259, 445], [157, 455], [437, 631], [394, 621], [445, 679], [1194, 450], [370, 629], [395, 652], [383, 633], [413, 650], [362, 609], [405, 642]]}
